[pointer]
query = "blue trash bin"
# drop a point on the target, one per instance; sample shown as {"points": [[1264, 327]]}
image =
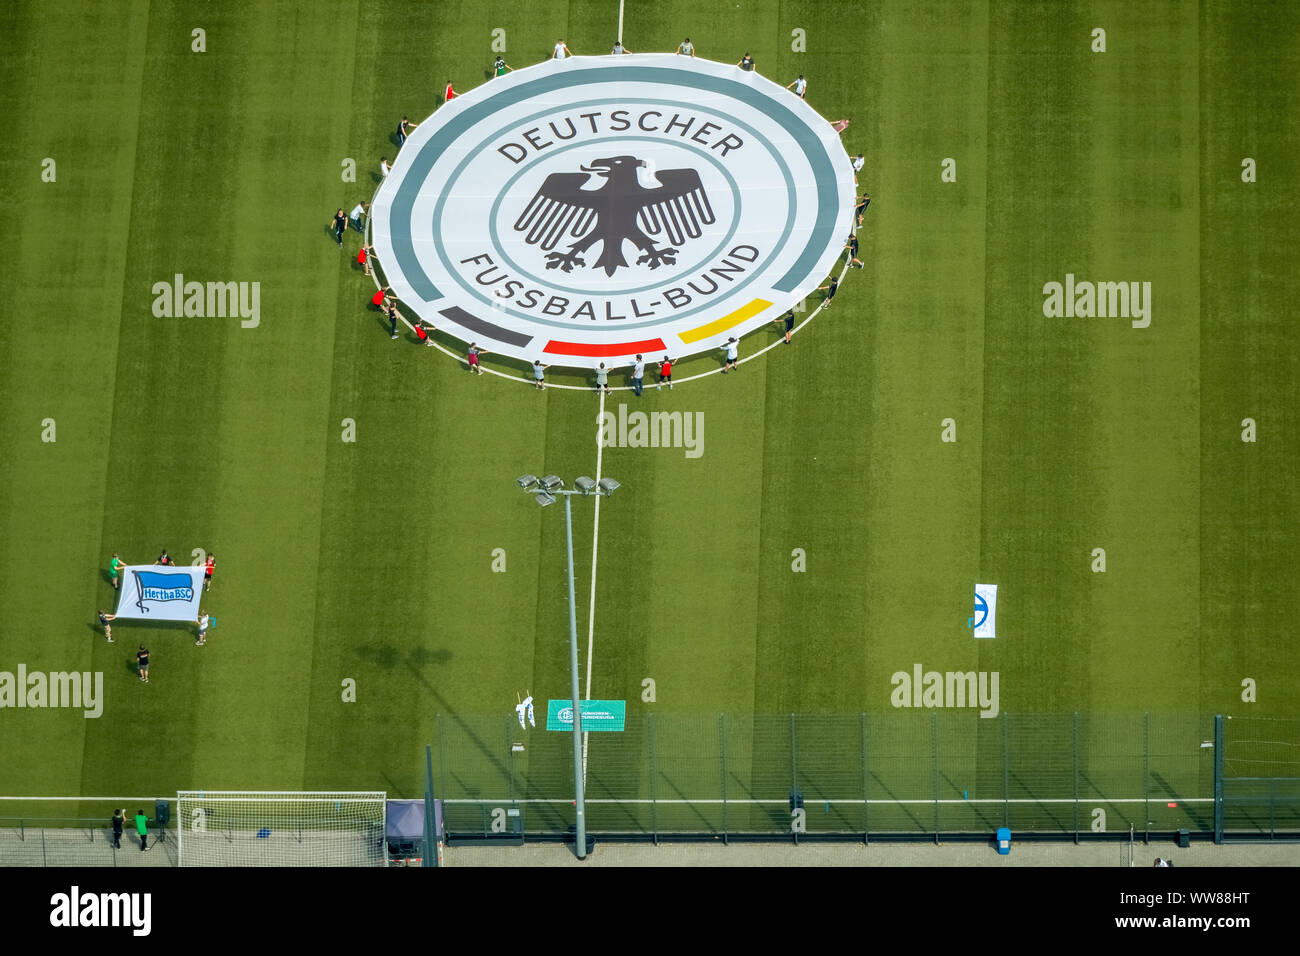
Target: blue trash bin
{"points": [[1004, 840]]}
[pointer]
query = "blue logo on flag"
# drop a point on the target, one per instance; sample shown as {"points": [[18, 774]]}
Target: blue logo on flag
{"points": [[154, 586], [981, 610]]}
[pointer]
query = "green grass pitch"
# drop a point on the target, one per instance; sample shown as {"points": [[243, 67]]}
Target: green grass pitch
{"points": [[372, 560]]}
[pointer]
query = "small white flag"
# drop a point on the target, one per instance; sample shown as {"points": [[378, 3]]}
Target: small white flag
{"points": [[986, 610], [528, 702], [519, 709]]}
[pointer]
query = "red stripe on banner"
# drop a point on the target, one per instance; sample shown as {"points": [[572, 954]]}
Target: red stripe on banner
{"points": [[556, 347]]}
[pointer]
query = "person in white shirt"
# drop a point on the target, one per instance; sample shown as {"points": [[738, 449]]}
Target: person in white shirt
{"points": [[800, 86], [357, 215], [561, 50], [733, 353], [685, 48], [619, 49], [383, 165], [203, 631], [638, 374]]}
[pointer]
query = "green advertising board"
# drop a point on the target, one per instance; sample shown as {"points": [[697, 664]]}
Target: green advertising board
{"points": [[597, 715]]}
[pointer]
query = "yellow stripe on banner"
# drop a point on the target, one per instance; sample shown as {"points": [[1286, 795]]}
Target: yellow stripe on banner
{"points": [[726, 322]]}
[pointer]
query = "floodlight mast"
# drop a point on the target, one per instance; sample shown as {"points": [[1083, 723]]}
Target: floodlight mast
{"points": [[545, 490]]}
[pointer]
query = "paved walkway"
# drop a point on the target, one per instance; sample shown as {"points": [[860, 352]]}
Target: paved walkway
{"points": [[893, 854]]}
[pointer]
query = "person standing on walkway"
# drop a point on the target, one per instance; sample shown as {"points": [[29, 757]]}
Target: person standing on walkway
{"points": [[118, 821], [142, 829]]}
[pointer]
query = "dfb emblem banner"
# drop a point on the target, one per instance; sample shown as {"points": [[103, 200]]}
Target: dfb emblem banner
{"points": [[595, 208]]}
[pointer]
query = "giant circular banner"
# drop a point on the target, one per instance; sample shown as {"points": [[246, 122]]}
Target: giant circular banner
{"points": [[593, 208]]}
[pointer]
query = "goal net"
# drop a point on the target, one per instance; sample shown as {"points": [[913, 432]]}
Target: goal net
{"points": [[249, 828]]}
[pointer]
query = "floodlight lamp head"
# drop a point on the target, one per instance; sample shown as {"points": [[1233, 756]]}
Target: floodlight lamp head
{"points": [[608, 486], [585, 485], [552, 482], [544, 499], [526, 482]]}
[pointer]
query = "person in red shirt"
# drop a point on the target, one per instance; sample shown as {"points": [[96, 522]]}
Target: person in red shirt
{"points": [[363, 258], [449, 94], [377, 300], [666, 373], [207, 572]]}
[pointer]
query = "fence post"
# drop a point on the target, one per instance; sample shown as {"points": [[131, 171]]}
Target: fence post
{"points": [[722, 750], [1218, 778], [794, 772], [1074, 750], [654, 776], [1146, 776], [934, 770], [510, 758], [866, 785], [1005, 720], [442, 753]]}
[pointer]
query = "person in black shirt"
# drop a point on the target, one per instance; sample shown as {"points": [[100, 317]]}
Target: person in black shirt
{"points": [[163, 558], [788, 319], [863, 202], [339, 226], [142, 663], [117, 829], [852, 246], [830, 291], [746, 63], [104, 618], [403, 130]]}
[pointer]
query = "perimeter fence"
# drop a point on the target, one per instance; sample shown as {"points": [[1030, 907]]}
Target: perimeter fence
{"points": [[900, 775]]}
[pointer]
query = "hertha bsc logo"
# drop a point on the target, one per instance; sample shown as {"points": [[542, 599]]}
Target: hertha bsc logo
{"points": [[592, 208]]}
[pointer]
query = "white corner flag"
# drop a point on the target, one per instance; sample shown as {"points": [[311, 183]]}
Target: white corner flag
{"points": [[984, 620]]}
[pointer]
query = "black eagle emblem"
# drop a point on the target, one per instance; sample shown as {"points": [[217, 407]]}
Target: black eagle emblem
{"points": [[619, 210]]}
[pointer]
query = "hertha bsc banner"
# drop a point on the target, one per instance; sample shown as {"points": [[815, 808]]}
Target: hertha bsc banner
{"points": [[159, 592]]}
